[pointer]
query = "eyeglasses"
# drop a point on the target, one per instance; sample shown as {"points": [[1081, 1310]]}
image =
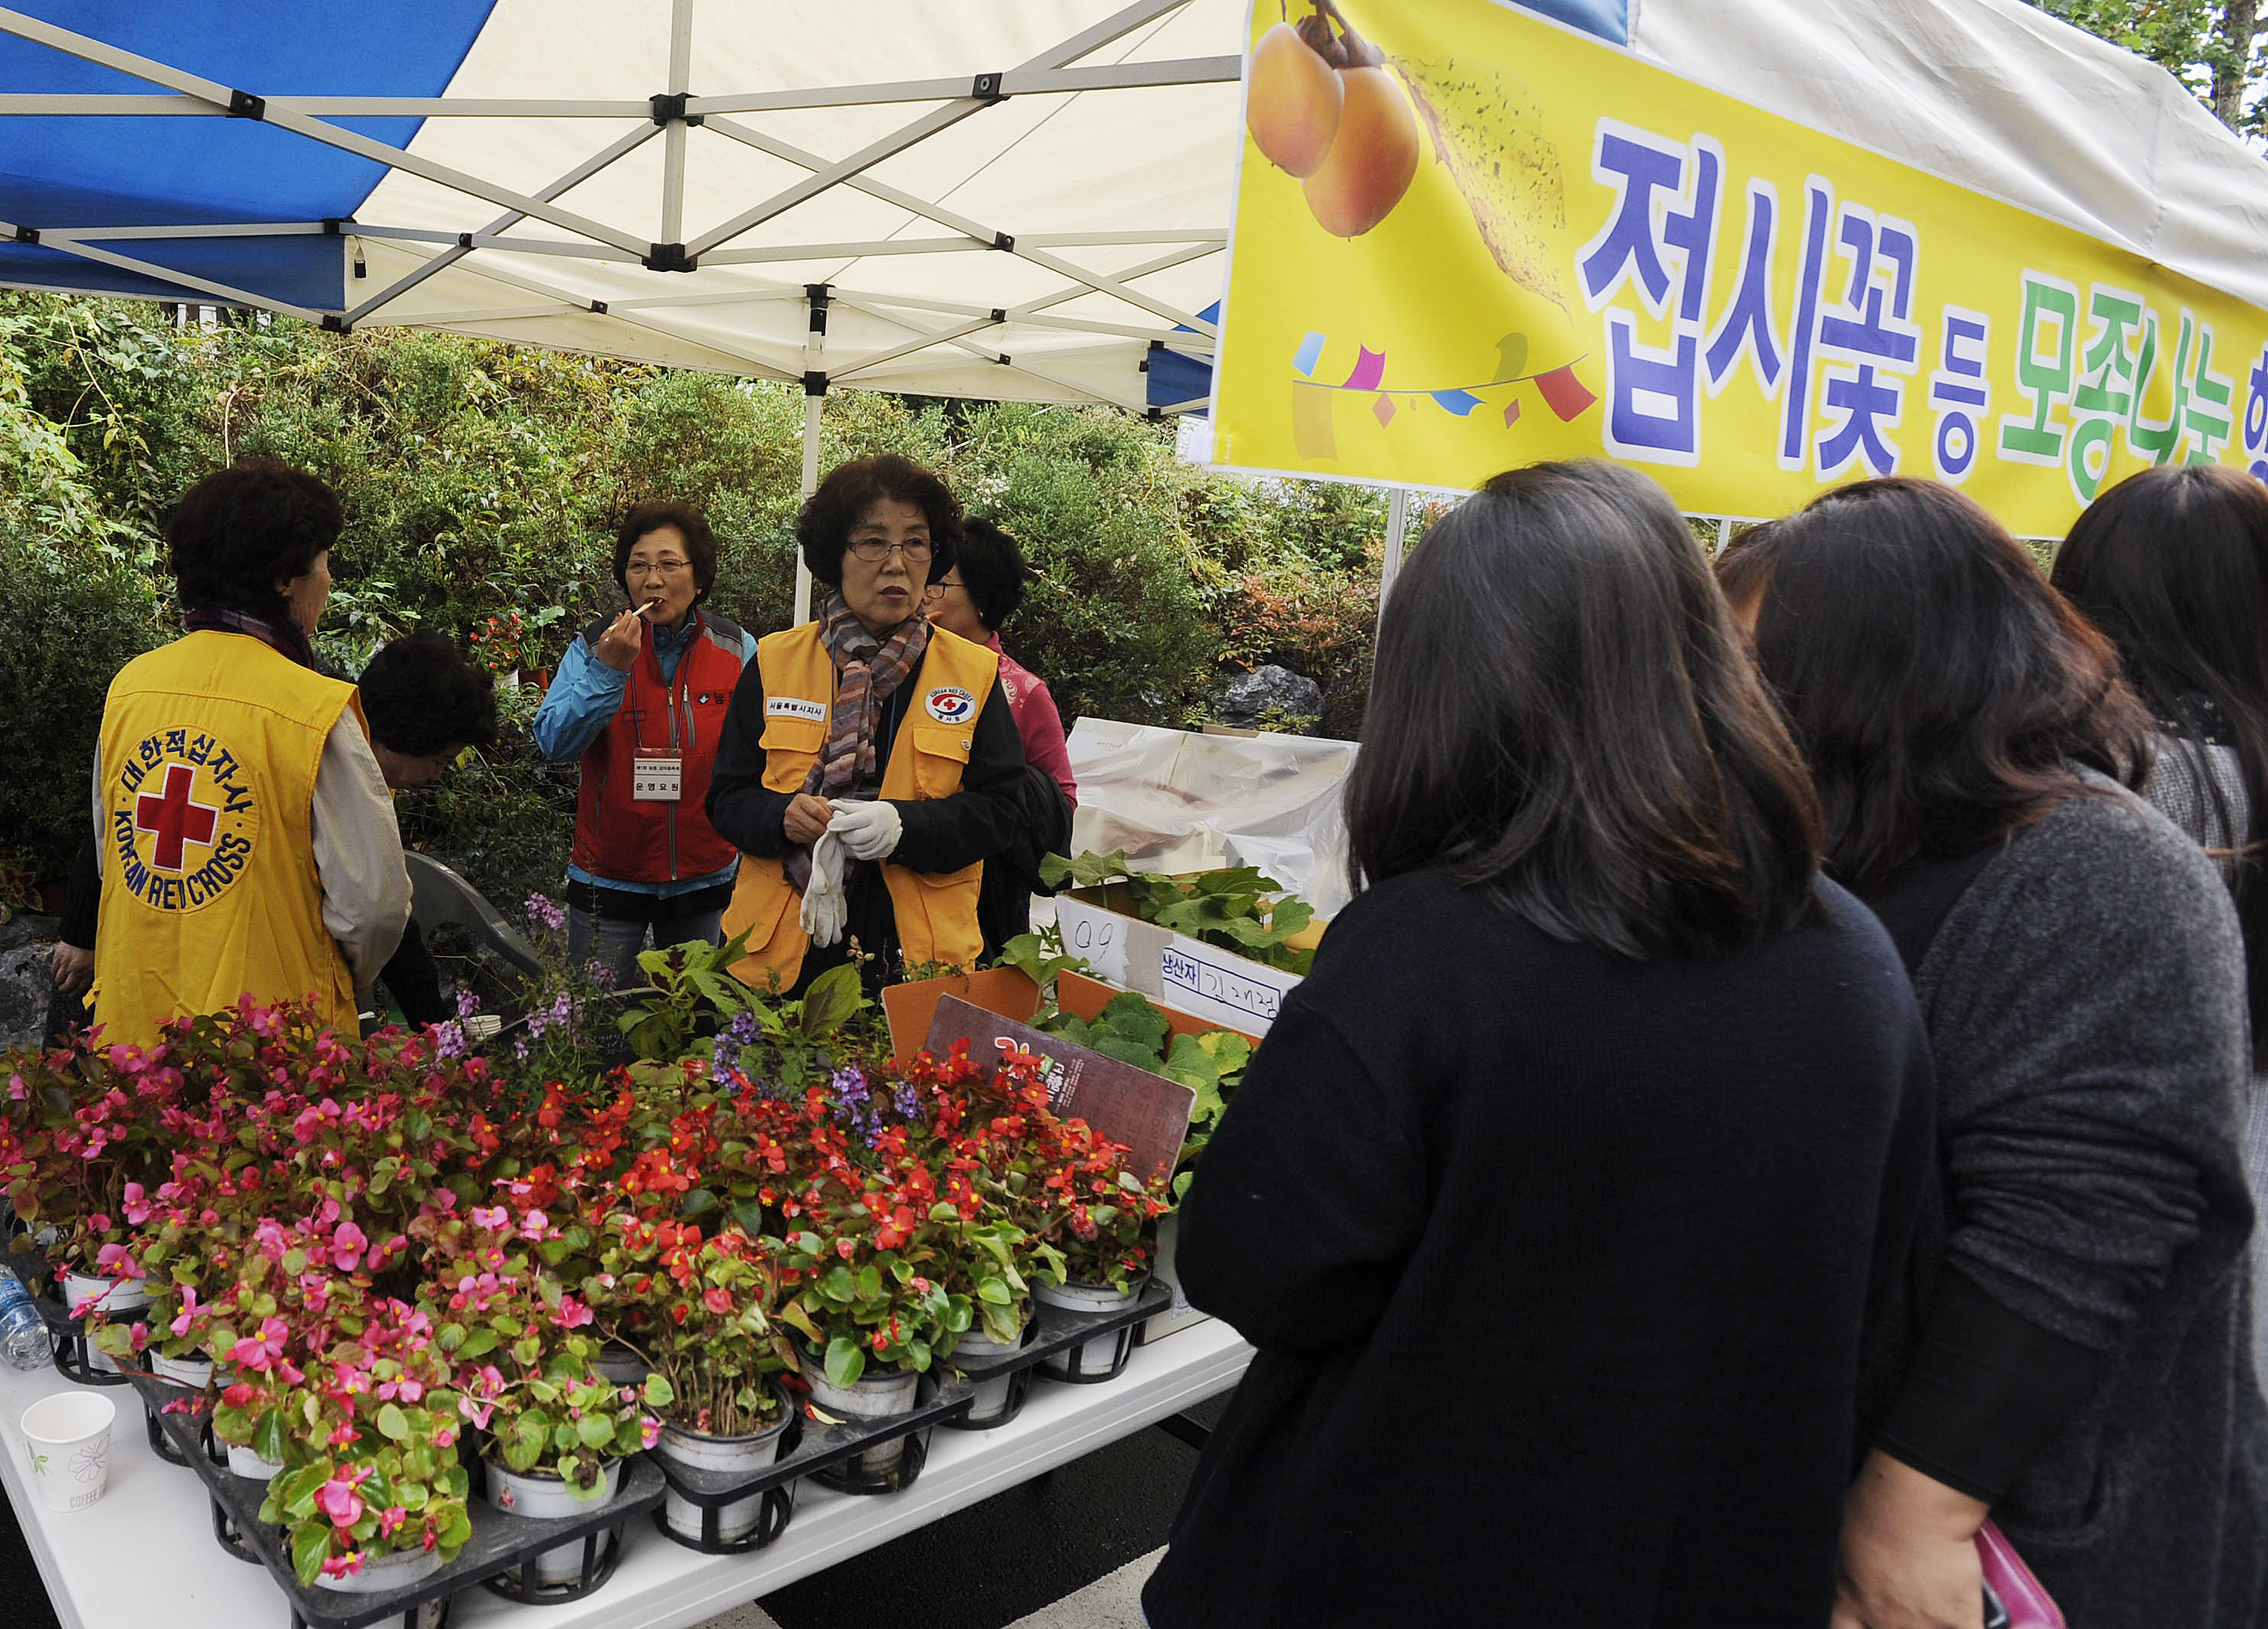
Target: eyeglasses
{"points": [[874, 550], [936, 591], [667, 568]]}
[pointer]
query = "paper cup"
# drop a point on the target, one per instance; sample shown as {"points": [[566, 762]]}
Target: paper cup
{"points": [[67, 1438]]}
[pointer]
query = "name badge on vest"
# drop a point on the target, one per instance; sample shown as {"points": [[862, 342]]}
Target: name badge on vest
{"points": [[658, 776], [794, 707]]}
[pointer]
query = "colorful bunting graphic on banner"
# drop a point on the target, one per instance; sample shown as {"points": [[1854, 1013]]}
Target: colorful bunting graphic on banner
{"points": [[1312, 399]]}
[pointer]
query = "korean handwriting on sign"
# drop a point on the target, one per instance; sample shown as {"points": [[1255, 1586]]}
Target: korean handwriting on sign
{"points": [[2083, 383]]}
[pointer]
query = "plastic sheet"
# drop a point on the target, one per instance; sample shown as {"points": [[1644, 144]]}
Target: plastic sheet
{"points": [[1176, 801]]}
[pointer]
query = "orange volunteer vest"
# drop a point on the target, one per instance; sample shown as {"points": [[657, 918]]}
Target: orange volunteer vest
{"points": [[936, 915]]}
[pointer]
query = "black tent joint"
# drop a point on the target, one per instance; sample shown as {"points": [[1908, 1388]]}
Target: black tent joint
{"points": [[668, 109], [814, 384], [245, 105], [669, 257], [986, 88]]}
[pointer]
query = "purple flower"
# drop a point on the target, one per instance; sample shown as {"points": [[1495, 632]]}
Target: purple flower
{"points": [[467, 1003], [906, 1100], [601, 975], [449, 1040], [544, 913]]}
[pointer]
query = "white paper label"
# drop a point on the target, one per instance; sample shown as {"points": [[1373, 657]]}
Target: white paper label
{"points": [[658, 779]]}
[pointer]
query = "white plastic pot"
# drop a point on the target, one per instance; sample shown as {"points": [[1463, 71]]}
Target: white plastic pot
{"points": [[112, 1297], [244, 1462], [880, 1394], [196, 1373], [991, 1402], [742, 1456], [1095, 1356], [396, 1569], [544, 1496]]}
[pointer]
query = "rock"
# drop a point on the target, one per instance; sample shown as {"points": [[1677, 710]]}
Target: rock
{"points": [[25, 984], [1282, 698], [26, 927]]}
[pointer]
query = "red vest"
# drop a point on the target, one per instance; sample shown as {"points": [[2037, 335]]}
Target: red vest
{"points": [[622, 839]]}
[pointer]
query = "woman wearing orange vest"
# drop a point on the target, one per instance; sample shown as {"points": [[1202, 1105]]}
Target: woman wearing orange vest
{"points": [[246, 839], [870, 763], [639, 701]]}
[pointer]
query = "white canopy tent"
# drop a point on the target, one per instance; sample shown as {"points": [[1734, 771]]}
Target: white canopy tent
{"points": [[1007, 199]]}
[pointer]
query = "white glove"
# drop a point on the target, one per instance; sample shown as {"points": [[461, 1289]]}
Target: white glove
{"points": [[825, 907], [869, 830]]}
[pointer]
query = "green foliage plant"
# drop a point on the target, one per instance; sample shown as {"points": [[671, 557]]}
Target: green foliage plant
{"points": [[1237, 907]]}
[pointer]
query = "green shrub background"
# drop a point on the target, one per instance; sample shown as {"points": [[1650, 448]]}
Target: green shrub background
{"points": [[480, 480]]}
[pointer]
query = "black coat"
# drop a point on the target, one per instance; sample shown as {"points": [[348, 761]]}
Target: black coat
{"points": [[1558, 1265]]}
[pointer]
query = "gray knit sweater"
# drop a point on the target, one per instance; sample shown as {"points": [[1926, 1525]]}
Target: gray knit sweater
{"points": [[2084, 999]]}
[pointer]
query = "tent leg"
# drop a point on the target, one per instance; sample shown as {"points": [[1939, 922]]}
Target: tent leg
{"points": [[811, 407], [1397, 535]]}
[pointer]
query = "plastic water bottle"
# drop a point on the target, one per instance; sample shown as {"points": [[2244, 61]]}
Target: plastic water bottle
{"points": [[23, 1332]]}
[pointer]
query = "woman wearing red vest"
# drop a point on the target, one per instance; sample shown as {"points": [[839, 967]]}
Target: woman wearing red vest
{"points": [[640, 700], [871, 764]]}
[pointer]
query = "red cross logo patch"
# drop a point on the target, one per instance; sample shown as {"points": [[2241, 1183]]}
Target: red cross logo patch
{"points": [[184, 820]]}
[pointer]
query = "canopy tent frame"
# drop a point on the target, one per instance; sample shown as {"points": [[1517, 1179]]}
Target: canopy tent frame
{"points": [[672, 113]]}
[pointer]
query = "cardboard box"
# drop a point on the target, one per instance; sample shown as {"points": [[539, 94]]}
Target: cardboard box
{"points": [[911, 1008], [1225, 989]]}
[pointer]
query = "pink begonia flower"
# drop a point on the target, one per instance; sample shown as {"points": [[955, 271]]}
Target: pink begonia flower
{"points": [[390, 1518], [445, 1436], [475, 1410], [348, 1379], [118, 1262], [649, 1430], [289, 1372], [719, 1301], [338, 1500], [16, 1089], [260, 1353], [348, 1244], [268, 1233], [343, 1566], [97, 1222], [573, 1314], [180, 1325], [404, 1390], [345, 1436], [135, 1205], [534, 1225], [239, 1395], [489, 1216]]}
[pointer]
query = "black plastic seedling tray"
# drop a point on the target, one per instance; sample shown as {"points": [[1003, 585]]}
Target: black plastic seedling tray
{"points": [[500, 1543]]}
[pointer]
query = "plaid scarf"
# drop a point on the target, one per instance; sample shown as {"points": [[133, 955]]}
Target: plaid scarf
{"points": [[286, 637], [867, 670]]}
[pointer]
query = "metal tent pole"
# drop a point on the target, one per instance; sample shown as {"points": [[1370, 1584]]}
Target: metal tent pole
{"points": [[817, 297], [1397, 535]]}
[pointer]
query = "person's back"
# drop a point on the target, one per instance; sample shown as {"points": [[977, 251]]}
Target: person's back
{"points": [[1622, 1218], [1557, 1197]]}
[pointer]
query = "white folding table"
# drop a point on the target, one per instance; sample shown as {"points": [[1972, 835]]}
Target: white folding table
{"points": [[151, 1539]]}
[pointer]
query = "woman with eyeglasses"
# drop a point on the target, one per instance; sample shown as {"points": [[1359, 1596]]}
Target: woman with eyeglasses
{"points": [[639, 701], [871, 764]]}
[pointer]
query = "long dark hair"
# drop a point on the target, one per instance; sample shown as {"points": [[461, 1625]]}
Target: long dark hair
{"points": [[2172, 564], [1941, 691], [1562, 718]]}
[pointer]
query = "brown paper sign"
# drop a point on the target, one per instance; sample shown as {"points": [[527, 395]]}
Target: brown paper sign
{"points": [[1146, 1112]]}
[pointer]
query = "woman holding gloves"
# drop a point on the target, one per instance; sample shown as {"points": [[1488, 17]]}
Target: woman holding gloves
{"points": [[869, 762]]}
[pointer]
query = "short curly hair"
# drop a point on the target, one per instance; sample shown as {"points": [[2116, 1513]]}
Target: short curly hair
{"points": [[421, 694], [700, 542], [823, 525], [240, 531], [992, 570]]}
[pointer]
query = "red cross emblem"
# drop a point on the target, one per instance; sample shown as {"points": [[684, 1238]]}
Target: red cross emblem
{"points": [[175, 818]]}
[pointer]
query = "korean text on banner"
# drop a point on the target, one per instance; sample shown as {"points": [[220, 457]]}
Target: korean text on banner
{"points": [[1540, 246]]}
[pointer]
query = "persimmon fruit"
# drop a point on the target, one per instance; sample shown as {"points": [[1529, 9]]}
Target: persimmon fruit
{"points": [[1373, 156], [1291, 107]]}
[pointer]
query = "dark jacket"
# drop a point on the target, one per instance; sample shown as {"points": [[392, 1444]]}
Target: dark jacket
{"points": [[2085, 1000], [1558, 1264]]}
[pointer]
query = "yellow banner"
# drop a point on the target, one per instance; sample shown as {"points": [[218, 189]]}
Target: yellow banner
{"points": [[1467, 238]]}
